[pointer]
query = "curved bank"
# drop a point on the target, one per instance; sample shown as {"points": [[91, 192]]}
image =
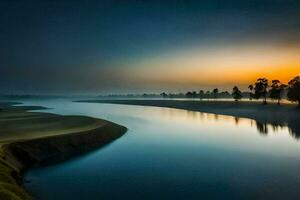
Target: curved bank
{"points": [[28, 139]]}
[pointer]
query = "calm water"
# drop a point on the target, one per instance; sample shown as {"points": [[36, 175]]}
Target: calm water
{"points": [[173, 154]]}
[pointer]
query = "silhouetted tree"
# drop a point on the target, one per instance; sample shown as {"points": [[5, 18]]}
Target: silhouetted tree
{"points": [[251, 91], [164, 95], [226, 93], [294, 90], [189, 94], [215, 92], [201, 94], [261, 89], [276, 90], [236, 93], [207, 94], [194, 94]]}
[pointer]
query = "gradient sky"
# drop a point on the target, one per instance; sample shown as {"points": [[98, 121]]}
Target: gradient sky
{"points": [[145, 46]]}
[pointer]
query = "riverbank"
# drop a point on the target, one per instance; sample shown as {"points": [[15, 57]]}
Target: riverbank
{"points": [[35, 138], [273, 114]]}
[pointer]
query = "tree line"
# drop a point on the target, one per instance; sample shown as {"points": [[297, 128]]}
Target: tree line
{"points": [[261, 89]]}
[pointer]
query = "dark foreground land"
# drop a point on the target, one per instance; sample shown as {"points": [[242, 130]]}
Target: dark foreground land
{"points": [[272, 114], [34, 138]]}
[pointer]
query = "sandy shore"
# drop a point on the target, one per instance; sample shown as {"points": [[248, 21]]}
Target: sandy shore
{"points": [[32, 138], [272, 114]]}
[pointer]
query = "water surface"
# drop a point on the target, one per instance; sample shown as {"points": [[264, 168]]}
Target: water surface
{"points": [[173, 154]]}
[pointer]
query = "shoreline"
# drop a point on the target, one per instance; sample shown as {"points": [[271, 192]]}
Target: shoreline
{"points": [[273, 114], [34, 138]]}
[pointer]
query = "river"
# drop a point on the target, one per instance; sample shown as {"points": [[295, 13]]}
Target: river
{"points": [[172, 154]]}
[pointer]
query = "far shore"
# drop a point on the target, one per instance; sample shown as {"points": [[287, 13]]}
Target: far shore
{"points": [[35, 138], [276, 115]]}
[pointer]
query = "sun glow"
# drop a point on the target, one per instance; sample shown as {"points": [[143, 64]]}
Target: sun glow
{"points": [[215, 66]]}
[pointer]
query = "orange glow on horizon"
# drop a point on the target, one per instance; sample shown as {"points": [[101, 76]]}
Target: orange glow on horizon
{"points": [[237, 65]]}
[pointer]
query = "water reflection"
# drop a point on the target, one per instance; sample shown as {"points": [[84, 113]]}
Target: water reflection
{"points": [[292, 126], [275, 123]]}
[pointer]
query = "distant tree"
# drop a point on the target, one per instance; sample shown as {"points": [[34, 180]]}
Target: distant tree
{"points": [[194, 94], [294, 90], [236, 93], [226, 93], [189, 94], [251, 87], [215, 92], [276, 90], [164, 95], [261, 89], [201, 94], [207, 94], [180, 95]]}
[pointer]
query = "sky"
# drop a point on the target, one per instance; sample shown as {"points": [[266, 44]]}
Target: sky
{"points": [[119, 46]]}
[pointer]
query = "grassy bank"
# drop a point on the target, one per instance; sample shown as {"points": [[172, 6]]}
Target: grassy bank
{"points": [[273, 114], [31, 138]]}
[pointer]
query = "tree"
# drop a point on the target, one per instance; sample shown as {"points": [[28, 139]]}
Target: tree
{"points": [[194, 94], [207, 93], [251, 91], [226, 93], [276, 90], [215, 92], [261, 89], [236, 93], [201, 94], [164, 95], [189, 94], [294, 90]]}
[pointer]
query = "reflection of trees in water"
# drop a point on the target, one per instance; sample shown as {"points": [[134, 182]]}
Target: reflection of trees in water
{"points": [[216, 116], [276, 124], [292, 125], [236, 119], [262, 128]]}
